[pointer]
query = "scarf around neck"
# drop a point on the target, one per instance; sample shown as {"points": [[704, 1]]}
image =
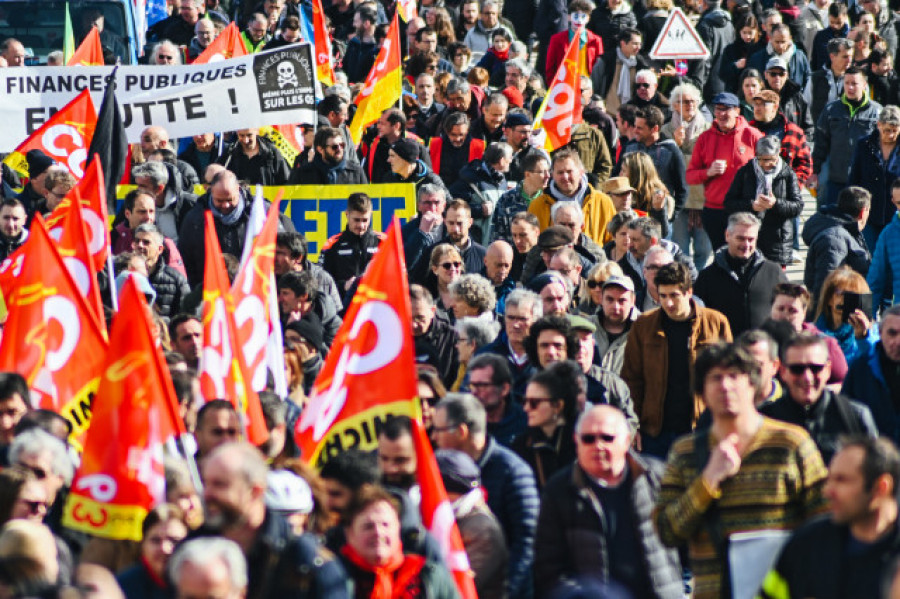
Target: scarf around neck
{"points": [[230, 218], [764, 180], [578, 196], [392, 578], [504, 56], [787, 56], [624, 88]]}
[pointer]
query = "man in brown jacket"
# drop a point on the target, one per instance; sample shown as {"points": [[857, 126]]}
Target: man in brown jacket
{"points": [[659, 360]]}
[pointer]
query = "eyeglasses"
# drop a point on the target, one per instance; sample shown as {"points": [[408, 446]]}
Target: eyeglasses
{"points": [[534, 402], [164, 57], [777, 73], [594, 284], [591, 439], [642, 85], [34, 507], [449, 265], [431, 401], [798, 369]]}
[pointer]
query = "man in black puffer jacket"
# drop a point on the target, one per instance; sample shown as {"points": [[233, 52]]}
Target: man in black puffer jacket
{"points": [[480, 184], [230, 205], [170, 285], [739, 282], [256, 160], [330, 166]]}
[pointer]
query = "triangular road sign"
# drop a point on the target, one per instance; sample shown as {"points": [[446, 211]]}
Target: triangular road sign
{"points": [[678, 39]]}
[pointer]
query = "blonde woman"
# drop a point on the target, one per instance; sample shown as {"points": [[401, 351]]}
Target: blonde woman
{"points": [[651, 195]]}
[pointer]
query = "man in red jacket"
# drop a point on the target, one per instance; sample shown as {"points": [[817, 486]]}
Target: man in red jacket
{"points": [[719, 153]]}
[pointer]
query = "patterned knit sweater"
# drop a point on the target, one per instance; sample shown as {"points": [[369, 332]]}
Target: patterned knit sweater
{"points": [[778, 486]]}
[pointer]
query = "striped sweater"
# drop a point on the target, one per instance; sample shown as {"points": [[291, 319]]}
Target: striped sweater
{"points": [[778, 486]]}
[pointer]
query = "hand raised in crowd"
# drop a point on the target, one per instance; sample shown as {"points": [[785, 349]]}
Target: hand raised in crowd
{"points": [[763, 202], [430, 221], [860, 323], [724, 462]]}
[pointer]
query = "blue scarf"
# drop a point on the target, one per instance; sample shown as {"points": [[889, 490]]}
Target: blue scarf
{"points": [[844, 335], [230, 218]]}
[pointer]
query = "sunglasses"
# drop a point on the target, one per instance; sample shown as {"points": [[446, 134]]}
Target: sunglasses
{"points": [[591, 439], [798, 369], [594, 284], [449, 265], [334, 146], [534, 402], [642, 85]]}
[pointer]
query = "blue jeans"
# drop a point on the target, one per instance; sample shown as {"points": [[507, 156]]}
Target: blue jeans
{"points": [[683, 233]]}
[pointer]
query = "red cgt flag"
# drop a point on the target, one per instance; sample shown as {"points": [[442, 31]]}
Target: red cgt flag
{"points": [[322, 45], [65, 137], [51, 337], [91, 193], [121, 476], [90, 52], [223, 373], [437, 514], [370, 372], [71, 236], [251, 291], [561, 107], [227, 44]]}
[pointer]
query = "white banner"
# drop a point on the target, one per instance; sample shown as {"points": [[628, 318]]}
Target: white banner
{"points": [[269, 88]]}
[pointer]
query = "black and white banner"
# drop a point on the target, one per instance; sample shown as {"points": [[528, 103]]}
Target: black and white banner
{"points": [[269, 88]]}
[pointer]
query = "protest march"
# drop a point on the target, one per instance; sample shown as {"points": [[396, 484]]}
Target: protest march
{"points": [[456, 299]]}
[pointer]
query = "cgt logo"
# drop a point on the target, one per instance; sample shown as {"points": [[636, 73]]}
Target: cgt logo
{"points": [[66, 144]]}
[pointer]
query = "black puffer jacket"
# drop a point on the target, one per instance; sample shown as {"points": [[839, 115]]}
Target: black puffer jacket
{"points": [[266, 168], [743, 300], [171, 288], [776, 235], [9, 245], [834, 239]]}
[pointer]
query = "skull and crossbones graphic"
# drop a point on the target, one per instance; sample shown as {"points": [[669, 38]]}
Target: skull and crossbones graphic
{"points": [[286, 74]]}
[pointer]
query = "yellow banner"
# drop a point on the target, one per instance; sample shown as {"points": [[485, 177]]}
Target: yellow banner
{"points": [[317, 211], [106, 520]]}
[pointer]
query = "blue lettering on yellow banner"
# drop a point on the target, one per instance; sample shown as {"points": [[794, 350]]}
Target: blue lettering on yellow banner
{"points": [[317, 211]]}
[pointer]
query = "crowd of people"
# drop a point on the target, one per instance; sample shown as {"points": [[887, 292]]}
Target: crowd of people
{"points": [[617, 375]]}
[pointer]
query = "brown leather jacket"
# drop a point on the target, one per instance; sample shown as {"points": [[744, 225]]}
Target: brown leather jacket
{"points": [[646, 364]]}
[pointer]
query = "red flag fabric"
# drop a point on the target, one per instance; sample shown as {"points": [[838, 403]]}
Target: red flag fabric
{"points": [[50, 337], [121, 476], [250, 291], [384, 84], [437, 514], [65, 137], [223, 372], [90, 52], [322, 45], [370, 370], [91, 193], [561, 108], [227, 44], [71, 236]]}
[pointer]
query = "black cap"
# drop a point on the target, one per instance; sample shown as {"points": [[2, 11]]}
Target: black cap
{"points": [[406, 149], [460, 472], [38, 162], [310, 328]]}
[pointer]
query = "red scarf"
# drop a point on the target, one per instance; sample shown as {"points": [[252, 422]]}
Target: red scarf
{"points": [[391, 579], [504, 56], [156, 579]]}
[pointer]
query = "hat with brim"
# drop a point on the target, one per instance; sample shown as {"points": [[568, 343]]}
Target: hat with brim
{"points": [[617, 186]]}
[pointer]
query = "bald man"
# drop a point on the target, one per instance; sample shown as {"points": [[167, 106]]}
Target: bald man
{"points": [[13, 52], [156, 138], [498, 263], [606, 484]]}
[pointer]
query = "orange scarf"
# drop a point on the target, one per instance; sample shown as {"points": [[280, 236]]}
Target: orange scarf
{"points": [[391, 579]]}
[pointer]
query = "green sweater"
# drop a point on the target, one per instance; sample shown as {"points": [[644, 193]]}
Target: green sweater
{"points": [[778, 486]]}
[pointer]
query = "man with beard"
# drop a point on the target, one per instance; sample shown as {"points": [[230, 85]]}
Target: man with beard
{"points": [[330, 166], [397, 457], [362, 49], [12, 227], [279, 563], [454, 148]]}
